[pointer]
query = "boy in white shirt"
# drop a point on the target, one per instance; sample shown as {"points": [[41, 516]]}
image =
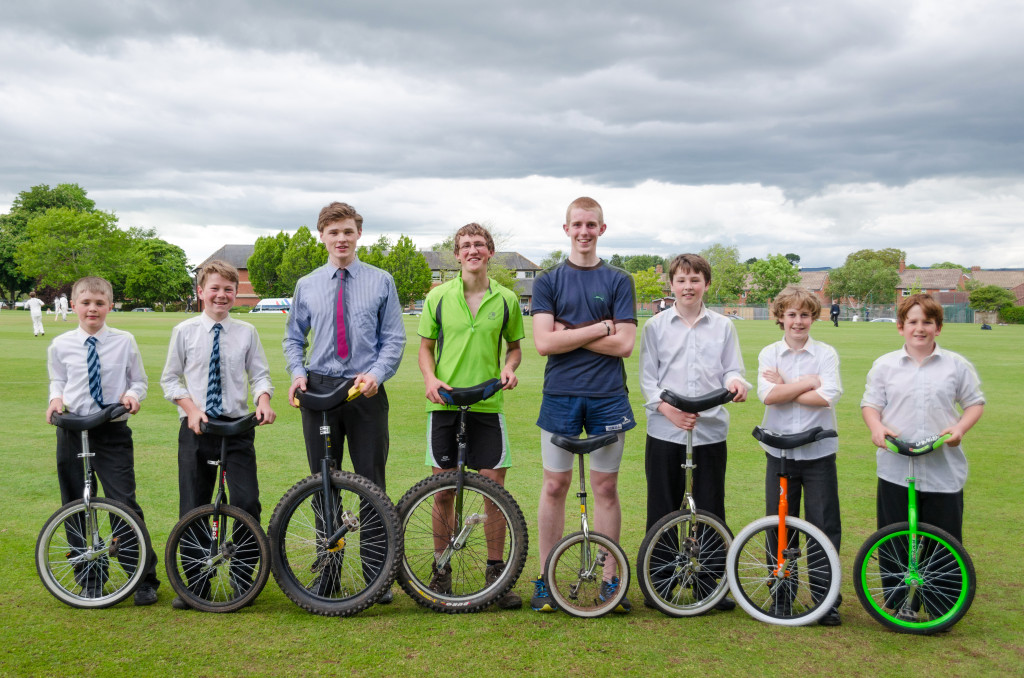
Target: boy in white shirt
{"points": [[691, 350], [122, 379], [914, 393], [798, 381], [35, 311], [214, 345]]}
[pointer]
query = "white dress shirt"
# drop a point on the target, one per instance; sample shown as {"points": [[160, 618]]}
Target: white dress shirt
{"points": [[691, 361], [121, 371], [793, 417], [187, 370], [917, 402]]}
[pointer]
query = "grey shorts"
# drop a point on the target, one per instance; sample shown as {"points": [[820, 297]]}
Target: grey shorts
{"points": [[605, 460]]}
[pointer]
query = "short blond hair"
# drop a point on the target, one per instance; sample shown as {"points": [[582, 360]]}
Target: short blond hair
{"points": [[584, 203], [221, 268], [796, 297], [95, 284]]}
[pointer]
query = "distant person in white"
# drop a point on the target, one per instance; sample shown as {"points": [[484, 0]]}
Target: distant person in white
{"points": [[35, 309], [60, 307]]}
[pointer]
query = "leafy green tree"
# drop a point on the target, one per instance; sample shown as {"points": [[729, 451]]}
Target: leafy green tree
{"points": [[648, 285], [727, 274], [950, 264], [866, 281], [303, 255], [63, 244], [991, 298], [375, 254], [641, 262], [890, 256], [30, 203], [265, 265], [554, 258], [158, 272], [769, 276], [410, 269], [793, 258], [750, 262], [616, 261]]}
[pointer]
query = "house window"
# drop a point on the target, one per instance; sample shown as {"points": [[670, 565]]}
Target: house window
{"points": [[530, 274], [435, 275], [906, 291]]}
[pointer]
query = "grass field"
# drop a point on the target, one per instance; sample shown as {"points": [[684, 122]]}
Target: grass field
{"points": [[40, 636]]}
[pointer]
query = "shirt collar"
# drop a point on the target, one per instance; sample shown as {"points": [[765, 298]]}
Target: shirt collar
{"points": [[100, 335], [700, 316], [809, 347], [934, 355], [354, 268], [208, 322]]}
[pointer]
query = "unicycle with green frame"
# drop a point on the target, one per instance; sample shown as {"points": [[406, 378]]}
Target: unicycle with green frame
{"points": [[913, 577]]}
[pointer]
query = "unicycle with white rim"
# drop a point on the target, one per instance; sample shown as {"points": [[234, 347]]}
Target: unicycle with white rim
{"points": [[587, 573], [782, 569], [92, 552]]}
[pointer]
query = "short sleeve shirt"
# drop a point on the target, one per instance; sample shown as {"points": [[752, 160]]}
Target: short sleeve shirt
{"points": [[918, 401], [468, 349], [578, 297]]}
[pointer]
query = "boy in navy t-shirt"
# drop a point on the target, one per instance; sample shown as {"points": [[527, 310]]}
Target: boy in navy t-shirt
{"points": [[585, 323]]}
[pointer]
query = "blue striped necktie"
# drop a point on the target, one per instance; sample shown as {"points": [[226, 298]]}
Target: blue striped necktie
{"points": [[92, 359], [214, 403]]}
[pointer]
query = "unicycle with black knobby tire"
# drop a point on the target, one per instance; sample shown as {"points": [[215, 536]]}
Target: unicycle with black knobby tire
{"points": [[455, 522], [335, 537]]}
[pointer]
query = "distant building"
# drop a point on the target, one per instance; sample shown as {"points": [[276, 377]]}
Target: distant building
{"points": [[443, 266], [237, 256], [1011, 279]]}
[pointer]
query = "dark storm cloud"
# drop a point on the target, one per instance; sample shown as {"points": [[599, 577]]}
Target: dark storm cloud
{"points": [[794, 95]]}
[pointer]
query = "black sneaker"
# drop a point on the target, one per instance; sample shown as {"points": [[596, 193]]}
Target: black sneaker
{"points": [[387, 598], [179, 604], [93, 589], [608, 589], [542, 600], [831, 618], [511, 599], [725, 604], [145, 595]]}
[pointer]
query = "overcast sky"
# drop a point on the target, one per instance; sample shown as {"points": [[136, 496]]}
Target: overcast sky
{"points": [[818, 128]]}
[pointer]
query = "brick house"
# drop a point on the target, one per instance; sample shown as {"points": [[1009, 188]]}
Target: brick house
{"points": [[237, 256], [947, 285], [443, 266], [1008, 279]]}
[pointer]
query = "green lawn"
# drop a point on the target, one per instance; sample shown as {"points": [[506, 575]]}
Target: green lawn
{"points": [[40, 636]]}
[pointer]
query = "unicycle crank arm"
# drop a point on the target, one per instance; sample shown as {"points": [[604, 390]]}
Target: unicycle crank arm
{"points": [[349, 523]]}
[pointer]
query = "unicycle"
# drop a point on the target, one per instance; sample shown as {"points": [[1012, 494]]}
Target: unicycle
{"points": [[92, 552], [681, 564], [217, 556], [914, 577], [454, 522], [784, 570], [335, 537], [587, 573]]}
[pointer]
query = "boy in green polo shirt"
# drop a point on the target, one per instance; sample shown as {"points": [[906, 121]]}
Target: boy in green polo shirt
{"points": [[463, 324]]}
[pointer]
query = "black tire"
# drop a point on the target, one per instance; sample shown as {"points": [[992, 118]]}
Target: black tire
{"points": [[946, 575], [681, 563], [92, 559], [223, 578], [347, 581], [802, 595], [577, 590], [470, 591]]}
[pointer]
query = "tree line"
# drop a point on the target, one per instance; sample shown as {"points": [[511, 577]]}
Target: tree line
{"points": [[53, 236]]}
